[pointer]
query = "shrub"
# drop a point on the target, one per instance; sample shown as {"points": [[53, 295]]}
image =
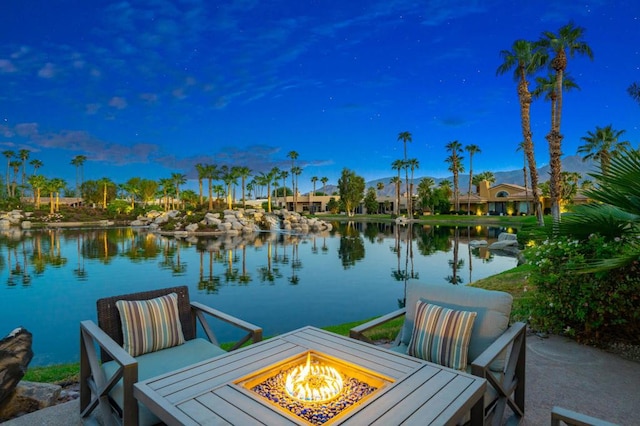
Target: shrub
{"points": [[594, 307]]}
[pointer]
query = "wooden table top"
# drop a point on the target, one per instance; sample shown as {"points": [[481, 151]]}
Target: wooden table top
{"points": [[207, 393]]}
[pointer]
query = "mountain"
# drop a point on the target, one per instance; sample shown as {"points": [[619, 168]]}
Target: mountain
{"points": [[572, 163]]}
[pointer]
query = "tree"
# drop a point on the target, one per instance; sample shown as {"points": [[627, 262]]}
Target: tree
{"points": [[425, 192], [566, 43], [486, 175], [293, 155], [211, 173], [15, 165], [201, 169], [244, 172], [412, 164], [167, 186], [351, 190], [397, 165], [455, 167], [295, 172], [602, 145], [324, 181], [396, 182], [178, 179], [525, 58], [228, 177], [36, 164], [284, 175], [23, 154], [634, 91], [406, 137], [38, 183], [78, 162], [148, 189], [9, 155], [371, 201], [132, 187], [55, 186], [107, 189], [471, 149], [521, 147]]}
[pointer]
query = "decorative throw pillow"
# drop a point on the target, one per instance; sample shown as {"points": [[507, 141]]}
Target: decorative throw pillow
{"points": [[441, 335], [150, 325]]}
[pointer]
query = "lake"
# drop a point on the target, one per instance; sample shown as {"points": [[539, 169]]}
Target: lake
{"points": [[51, 279]]}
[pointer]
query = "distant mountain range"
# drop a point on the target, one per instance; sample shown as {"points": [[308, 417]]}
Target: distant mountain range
{"points": [[572, 163]]}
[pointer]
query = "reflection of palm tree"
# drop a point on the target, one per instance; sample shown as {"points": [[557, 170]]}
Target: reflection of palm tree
{"points": [[80, 272], [456, 264], [244, 276]]}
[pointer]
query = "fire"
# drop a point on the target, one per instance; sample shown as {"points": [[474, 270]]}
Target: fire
{"points": [[313, 382]]}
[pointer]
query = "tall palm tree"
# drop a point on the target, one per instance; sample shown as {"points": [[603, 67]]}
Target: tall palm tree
{"points": [[15, 165], [471, 149], [455, 167], [23, 154], [211, 173], [9, 155], [406, 137], [525, 58], [38, 183], [295, 172], [424, 192], [602, 145], [166, 184], [412, 164], [36, 164], [293, 155], [244, 172], [314, 179], [105, 183], [201, 169], [56, 186], [178, 179], [398, 165], [78, 162], [397, 181], [284, 175], [324, 181], [566, 43]]}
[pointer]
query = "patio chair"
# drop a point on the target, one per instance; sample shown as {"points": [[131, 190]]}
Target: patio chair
{"points": [[108, 383], [562, 416], [496, 351]]}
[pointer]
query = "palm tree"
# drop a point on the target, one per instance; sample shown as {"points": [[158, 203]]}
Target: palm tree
{"points": [[397, 181], [525, 58], [314, 179], [15, 165], [201, 169], [380, 186], [324, 181], [9, 155], [284, 175], [228, 177], [293, 155], [424, 192], [23, 154], [295, 172], [471, 149], [456, 167], [36, 165], [55, 186], [38, 183], [398, 165], [178, 179], [406, 137], [413, 164], [78, 162], [243, 172], [211, 173], [602, 145], [568, 41]]}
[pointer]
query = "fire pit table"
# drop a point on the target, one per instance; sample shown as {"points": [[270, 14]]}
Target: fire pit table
{"points": [[313, 377]]}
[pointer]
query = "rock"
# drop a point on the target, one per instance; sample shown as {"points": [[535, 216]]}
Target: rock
{"points": [[28, 397], [192, 227], [26, 224], [15, 356], [139, 222], [4, 224]]}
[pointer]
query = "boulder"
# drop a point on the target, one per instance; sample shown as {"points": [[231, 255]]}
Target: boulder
{"points": [[26, 224], [5, 224], [192, 227], [15, 356], [29, 397]]}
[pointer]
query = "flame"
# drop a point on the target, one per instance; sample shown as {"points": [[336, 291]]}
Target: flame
{"points": [[313, 382]]}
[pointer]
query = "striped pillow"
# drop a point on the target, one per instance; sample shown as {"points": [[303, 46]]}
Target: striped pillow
{"points": [[150, 325], [441, 335]]}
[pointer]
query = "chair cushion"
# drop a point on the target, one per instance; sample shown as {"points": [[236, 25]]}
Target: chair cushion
{"points": [[441, 335], [150, 325], [160, 362], [493, 309]]}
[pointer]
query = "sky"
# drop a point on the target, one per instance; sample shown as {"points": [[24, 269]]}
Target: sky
{"points": [[147, 88]]}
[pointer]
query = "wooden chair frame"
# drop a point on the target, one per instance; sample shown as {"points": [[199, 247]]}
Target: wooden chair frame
{"points": [[510, 387], [107, 336], [562, 416]]}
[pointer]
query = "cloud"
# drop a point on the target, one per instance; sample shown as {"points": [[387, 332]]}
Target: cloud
{"points": [[118, 102], [6, 66], [47, 71]]}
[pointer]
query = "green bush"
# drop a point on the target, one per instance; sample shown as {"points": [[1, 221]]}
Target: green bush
{"points": [[593, 307]]}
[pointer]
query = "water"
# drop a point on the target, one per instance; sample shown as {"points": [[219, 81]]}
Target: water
{"points": [[51, 279]]}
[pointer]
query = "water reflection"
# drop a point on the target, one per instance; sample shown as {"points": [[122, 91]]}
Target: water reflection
{"points": [[280, 281]]}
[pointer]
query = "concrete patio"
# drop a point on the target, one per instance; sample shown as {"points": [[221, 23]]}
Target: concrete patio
{"points": [[559, 372]]}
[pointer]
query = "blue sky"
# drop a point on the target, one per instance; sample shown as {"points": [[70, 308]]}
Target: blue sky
{"points": [[151, 87]]}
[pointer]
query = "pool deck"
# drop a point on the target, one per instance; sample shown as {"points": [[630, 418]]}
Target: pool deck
{"points": [[560, 372]]}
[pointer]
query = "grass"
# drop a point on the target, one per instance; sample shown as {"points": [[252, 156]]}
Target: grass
{"points": [[443, 219]]}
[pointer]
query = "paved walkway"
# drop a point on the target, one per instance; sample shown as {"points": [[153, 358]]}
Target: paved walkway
{"points": [[559, 372]]}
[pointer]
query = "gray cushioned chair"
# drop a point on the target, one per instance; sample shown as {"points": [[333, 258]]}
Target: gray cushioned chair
{"points": [[108, 382], [496, 350]]}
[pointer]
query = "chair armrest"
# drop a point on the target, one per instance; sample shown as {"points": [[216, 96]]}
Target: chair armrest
{"points": [[94, 386], [358, 331], [569, 417], [254, 332], [498, 346]]}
